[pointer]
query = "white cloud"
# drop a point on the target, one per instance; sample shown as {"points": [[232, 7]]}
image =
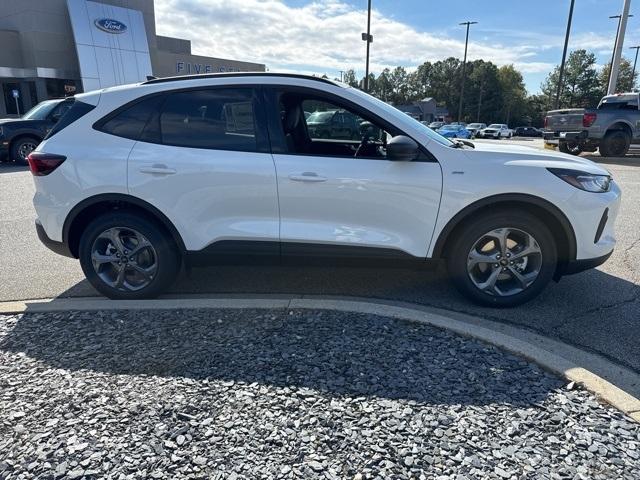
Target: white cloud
{"points": [[322, 36]]}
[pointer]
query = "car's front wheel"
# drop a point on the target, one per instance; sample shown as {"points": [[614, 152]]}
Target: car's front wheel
{"points": [[126, 256], [21, 148], [503, 259]]}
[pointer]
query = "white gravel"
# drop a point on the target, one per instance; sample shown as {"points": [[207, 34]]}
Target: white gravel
{"points": [[277, 394]]}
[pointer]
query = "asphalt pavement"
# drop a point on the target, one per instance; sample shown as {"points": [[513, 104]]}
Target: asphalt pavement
{"points": [[597, 310]]}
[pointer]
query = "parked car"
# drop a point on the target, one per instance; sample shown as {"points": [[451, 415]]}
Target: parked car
{"points": [[454, 131], [496, 131], [610, 128], [137, 180], [474, 128], [436, 125], [20, 136], [527, 132], [333, 124]]}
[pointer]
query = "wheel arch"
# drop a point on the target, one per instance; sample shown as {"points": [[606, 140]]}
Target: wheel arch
{"points": [[89, 208], [551, 215], [26, 134], [620, 125]]}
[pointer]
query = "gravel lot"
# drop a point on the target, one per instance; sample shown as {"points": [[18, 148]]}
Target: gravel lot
{"points": [[288, 394]]}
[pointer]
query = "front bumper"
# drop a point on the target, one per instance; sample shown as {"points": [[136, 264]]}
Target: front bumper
{"points": [[58, 247], [577, 266]]}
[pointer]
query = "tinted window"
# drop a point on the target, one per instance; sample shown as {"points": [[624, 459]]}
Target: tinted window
{"points": [[130, 122], [73, 110], [221, 119]]}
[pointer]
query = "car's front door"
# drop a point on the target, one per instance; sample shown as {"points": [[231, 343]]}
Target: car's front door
{"points": [[203, 160], [336, 193]]}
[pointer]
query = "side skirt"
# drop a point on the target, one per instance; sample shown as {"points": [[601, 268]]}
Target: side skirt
{"points": [[232, 252]]}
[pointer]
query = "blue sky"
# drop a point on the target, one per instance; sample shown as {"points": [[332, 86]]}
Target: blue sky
{"points": [[323, 36]]}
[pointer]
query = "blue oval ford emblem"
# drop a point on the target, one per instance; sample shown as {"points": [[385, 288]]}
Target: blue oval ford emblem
{"points": [[110, 26]]}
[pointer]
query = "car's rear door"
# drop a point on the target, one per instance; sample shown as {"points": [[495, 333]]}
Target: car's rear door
{"points": [[334, 202], [204, 161]]}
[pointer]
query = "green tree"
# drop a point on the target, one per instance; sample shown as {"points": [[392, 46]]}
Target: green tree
{"points": [[350, 78], [581, 85], [513, 93], [625, 82]]}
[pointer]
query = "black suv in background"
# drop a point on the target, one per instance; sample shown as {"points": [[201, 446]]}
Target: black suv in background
{"points": [[20, 136], [334, 124]]}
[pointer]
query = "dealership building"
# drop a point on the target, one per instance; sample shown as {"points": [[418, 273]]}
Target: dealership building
{"points": [[55, 48]]}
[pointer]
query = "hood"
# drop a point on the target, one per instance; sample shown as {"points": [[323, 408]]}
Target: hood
{"points": [[9, 121], [530, 156]]}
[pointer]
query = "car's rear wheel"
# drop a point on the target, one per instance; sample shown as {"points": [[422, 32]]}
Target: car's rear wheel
{"points": [[21, 148], [125, 256], [615, 144], [572, 148], [502, 259]]}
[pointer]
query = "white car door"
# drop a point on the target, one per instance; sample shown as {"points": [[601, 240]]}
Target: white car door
{"points": [[203, 161], [332, 200]]}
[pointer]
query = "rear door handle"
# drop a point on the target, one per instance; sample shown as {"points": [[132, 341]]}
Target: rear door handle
{"points": [[157, 169], [307, 177]]}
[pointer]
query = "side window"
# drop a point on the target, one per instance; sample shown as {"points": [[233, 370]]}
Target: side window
{"points": [[129, 123], [220, 119], [352, 126]]}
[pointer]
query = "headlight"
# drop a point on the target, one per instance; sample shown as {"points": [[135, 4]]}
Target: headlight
{"points": [[583, 180]]}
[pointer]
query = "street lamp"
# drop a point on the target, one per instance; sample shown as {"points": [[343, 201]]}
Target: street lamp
{"points": [[613, 54], [564, 55], [464, 68], [367, 37], [635, 62]]}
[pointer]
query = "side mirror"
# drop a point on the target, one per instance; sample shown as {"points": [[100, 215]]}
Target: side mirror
{"points": [[402, 149]]}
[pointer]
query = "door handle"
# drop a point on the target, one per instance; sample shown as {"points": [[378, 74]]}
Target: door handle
{"points": [[157, 169], [307, 177]]}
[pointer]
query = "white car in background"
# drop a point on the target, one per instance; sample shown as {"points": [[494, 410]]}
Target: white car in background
{"points": [[496, 131], [474, 128], [136, 180]]}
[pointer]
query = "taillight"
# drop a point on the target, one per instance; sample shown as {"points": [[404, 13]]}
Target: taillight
{"points": [[588, 119], [42, 164], [546, 122]]}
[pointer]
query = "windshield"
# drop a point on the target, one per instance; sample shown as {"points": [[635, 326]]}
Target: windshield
{"points": [[476, 125], [495, 125], [320, 117], [450, 127], [40, 111]]}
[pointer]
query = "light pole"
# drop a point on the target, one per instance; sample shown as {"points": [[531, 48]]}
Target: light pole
{"points": [[464, 68], [564, 55], [615, 44], [367, 37], [633, 75], [617, 54]]}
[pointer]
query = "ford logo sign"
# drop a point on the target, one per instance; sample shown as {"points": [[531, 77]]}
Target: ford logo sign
{"points": [[110, 26]]}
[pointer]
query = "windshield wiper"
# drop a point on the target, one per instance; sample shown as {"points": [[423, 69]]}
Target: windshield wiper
{"points": [[462, 144]]}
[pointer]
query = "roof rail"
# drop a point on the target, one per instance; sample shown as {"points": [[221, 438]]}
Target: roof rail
{"points": [[236, 74]]}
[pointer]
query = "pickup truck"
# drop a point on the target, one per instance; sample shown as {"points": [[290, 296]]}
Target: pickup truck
{"points": [[611, 128], [19, 136]]}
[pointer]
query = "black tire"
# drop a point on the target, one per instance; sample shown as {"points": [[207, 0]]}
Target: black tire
{"points": [[21, 148], [475, 229], [570, 148], [166, 254], [615, 144]]}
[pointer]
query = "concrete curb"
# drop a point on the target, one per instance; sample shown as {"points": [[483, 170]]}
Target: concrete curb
{"points": [[611, 382]]}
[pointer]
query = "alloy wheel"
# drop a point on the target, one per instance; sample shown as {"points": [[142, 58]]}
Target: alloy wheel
{"points": [[25, 149], [504, 262], [124, 259]]}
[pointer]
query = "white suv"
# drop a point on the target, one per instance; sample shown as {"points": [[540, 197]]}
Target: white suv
{"points": [[135, 180]]}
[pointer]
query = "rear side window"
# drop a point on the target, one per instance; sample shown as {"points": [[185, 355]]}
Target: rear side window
{"points": [[73, 110], [130, 122], [219, 119]]}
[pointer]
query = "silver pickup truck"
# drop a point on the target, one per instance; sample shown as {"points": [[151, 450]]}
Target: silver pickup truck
{"points": [[611, 128]]}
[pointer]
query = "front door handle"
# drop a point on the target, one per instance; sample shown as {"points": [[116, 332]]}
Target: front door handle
{"points": [[307, 177], [157, 169]]}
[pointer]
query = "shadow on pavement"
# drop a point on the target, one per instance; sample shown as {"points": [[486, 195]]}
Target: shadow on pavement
{"points": [[339, 353], [10, 167]]}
